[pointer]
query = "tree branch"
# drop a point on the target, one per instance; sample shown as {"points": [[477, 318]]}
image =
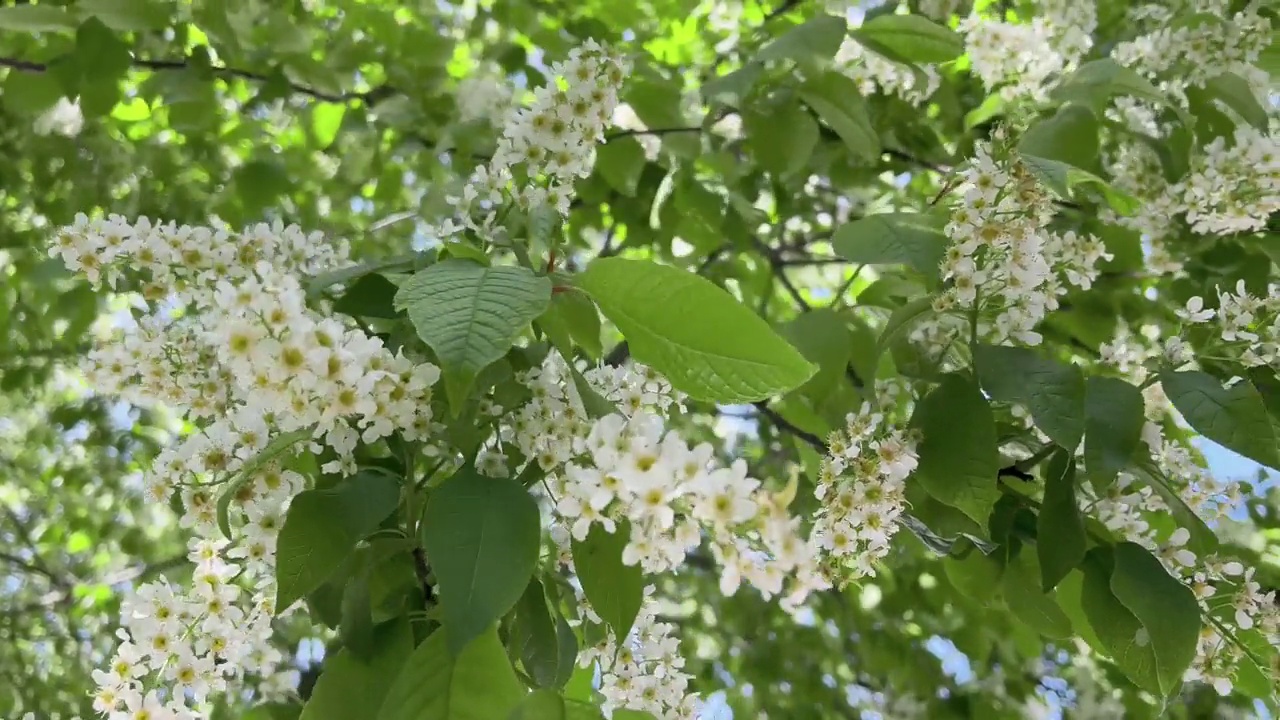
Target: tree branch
{"points": [[369, 97]]}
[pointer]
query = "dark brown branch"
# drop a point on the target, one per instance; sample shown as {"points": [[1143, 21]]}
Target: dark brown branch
{"points": [[651, 131], [369, 97], [787, 426]]}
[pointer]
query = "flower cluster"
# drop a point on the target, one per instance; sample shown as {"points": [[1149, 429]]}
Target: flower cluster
{"points": [[1248, 326], [862, 485], [875, 75], [1002, 258], [546, 146], [645, 672], [1235, 188], [1181, 55], [229, 341]]}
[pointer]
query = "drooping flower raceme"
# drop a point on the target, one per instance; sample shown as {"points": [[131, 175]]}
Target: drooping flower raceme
{"points": [[228, 340]]}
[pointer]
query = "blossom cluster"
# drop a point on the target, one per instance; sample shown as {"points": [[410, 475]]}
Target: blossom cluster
{"points": [[1002, 258], [874, 74], [1248, 326], [1022, 60], [862, 486], [1189, 54], [546, 146], [229, 341], [645, 671]]}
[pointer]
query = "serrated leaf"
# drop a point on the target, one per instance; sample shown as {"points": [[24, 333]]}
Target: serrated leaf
{"points": [[817, 39], [1119, 632], [1061, 540], [621, 162], [470, 314], [958, 456], [481, 536], [572, 317], [356, 625], [1063, 178], [37, 18], [322, 527], [1114, 416], [1051, 390], [699, 337], [836, 99], [1070, 136], [476, 684], [913, 239], [1234, 417], [539, 644], [371, 295], [615, 590], [782, 136], [1234, 92], [1029, 603], [350, 687], [1166, 608], [913, 37]]}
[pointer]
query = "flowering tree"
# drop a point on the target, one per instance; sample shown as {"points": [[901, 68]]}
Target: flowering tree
{"points": [[680, 359]]}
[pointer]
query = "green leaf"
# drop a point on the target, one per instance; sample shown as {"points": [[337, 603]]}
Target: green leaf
{"points": [[596, 405], [478, 684], [913, 37], [37, 18], [1063, 179], [1061, 541], [1070, 136], [782, 136], [356, 624], [326, 120], [259, 183], [103, 59], [620, 162], [1051, 390], [323, 527], [816, 40], [1234, 92], [975, 575], [274, 449], [836, 99], [1095, 82], [470, 315], [540, 705], [614, 590], [1033, 606], [1114, 416], [1234, 417], [573, 316], [538, 643], [350, 687], [30, 93], [482, 536], [705, 342], [825, 340], [1119, 633], [958, 456], [913, 239], [372, 295], [129, 15], [1166, 608]]}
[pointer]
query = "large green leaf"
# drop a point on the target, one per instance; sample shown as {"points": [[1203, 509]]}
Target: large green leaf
{"points": [[1063, 178], [1234, 417], [824, 338], [958, 456], [1202, 541], [1029, 603], [322, 527], [1061, 540], [37, 18], [572, 318], [913, 37], [816, 40], [471, 314], [1119, 633], [1070, 136], [481, 536], [1235, 92], [1113, 421], [350, 687], [782, 136], [912, 239], [1051, 390], [478, 684], [1166, 608], [621, 162], [703, 340], [535, 640], [836, 99], [614, 590]]}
